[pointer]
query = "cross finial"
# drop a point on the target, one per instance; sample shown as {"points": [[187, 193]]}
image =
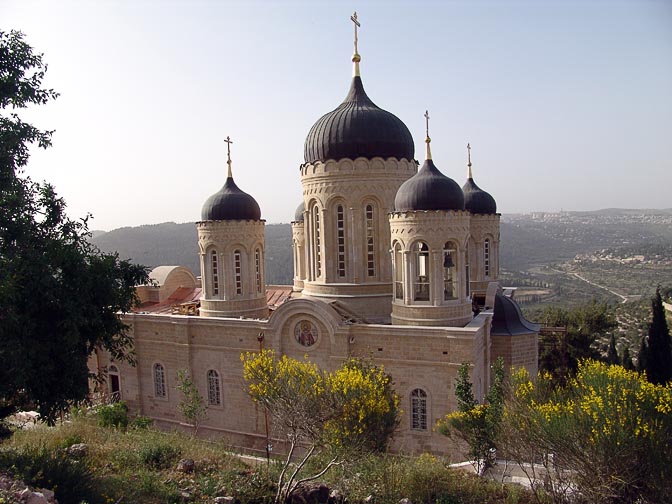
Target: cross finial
{"points": [[469, 157], [356, 58], [427, 139], [228, 142]]}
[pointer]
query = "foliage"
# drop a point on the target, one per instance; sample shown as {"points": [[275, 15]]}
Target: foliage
{"points": [[71, 481], [113, 415], [141, 422], [59, 296], [191, 403], [604, 438], [314, 409], [657, 349], [159, 455], [477, 424], [584, 326], [612, 353]]}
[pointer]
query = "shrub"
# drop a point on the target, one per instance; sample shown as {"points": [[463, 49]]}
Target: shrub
{"points": [[160, 455], [141, 422], [113, 415]]}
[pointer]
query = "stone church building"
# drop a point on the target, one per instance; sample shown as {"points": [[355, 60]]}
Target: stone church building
{"points": [[391, 262]]}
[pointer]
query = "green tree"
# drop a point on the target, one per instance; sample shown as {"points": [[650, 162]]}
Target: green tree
{"points": [[626, 359], [329, 412], [191, 404], [477, 424], [612, 353], [59, 296], [657, 348]]}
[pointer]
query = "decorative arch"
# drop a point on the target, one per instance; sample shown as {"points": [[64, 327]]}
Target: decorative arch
{"points": [[398, 265], [420, 271], [450, 271]]}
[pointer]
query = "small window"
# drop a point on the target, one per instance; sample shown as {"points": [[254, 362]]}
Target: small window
{"points": [[159, 380], [238, 270], [214, 388], [419, 410], [257, 269], [215, 272]]}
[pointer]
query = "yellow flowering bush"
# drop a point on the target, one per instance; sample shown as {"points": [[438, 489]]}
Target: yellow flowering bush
{"points": [[607, 431], [353, 407]]}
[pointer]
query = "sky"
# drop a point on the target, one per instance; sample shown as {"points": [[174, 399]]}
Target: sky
{"points": [[567, 104]]}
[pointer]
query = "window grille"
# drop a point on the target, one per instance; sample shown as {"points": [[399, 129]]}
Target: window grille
{"points": [[214, 391], [159, 380], [419, 410]]}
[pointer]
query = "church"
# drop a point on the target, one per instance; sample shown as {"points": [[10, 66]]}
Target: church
{"points": [[392, 262]]}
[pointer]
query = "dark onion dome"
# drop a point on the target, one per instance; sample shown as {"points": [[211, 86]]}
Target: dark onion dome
{"points": [[508, 320], [476, 200], [298, 215], [358, 128], [230, 203], [429, 189]]}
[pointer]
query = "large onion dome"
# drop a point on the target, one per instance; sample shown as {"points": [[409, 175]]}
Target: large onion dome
{"points": [[230, 203], [476, 200], [358, 128], [298, 214]]}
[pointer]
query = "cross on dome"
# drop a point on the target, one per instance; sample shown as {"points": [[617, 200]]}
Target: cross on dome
{"points": [[356, 58], [469, 157], [228, 142], [427, 139]]}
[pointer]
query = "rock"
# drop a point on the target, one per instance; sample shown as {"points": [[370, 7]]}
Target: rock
{"points": [[186, 466], [317, 493], [78, 450]]}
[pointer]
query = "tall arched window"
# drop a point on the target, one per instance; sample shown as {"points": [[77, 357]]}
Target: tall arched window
{"points": [[370, 241], [214, 263], [159, 380], [340, 240], [419, 410], [466, 268], [486, 257], [398, 272], [421, 273], [115, 383], [317, 261], [238, 271], [214, 388], [257, 269], [449, 270]]}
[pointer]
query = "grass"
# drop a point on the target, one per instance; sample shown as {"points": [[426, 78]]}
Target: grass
{"points": [[139, 465]]}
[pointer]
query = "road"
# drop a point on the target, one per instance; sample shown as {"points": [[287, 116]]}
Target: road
{"points": [[624, 298]]}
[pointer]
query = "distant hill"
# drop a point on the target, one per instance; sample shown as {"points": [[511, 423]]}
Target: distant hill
{"points": [[526, 239]]}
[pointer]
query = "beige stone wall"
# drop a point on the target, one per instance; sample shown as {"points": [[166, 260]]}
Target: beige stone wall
{"points": [[480, 228], [416, 357], [517, 351]]}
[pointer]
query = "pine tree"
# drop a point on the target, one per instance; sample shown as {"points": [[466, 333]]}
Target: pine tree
{"points": [[626, 360], [659, 352], [641, 357], [612, 353]]}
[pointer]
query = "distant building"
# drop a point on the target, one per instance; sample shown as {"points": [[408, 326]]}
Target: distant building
{"points": [[390, 262]]}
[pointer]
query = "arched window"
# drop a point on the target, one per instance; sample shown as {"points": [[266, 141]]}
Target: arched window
{"points": [[370, 241], [466, 268], [115, 383], [159, 380], [257, 269], [340, 240], [486, 257], [214, 263], [449, 270], [419, 410], [398, 272], [421, 273], [317, 262], [238, 271], [214, 388]]}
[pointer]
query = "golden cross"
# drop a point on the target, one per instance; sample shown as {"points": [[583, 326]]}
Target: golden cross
{"points": [[427, 122], [353, 18], [228, 153], [469, 153]]}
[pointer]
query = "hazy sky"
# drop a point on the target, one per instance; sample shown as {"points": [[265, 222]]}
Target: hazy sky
{"points": [[567, 105]]}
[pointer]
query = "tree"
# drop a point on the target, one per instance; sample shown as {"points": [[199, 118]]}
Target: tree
{"points": [[626, 359], [59, 296], [477, 424], [319, 411], [657, 348], [191, 403], [612, 353]]}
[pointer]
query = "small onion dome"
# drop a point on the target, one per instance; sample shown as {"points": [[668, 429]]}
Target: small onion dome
{"points": [[429, 189], [358, 128], [230, 203], [476, 200], [508, 320], [298, 215]]}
